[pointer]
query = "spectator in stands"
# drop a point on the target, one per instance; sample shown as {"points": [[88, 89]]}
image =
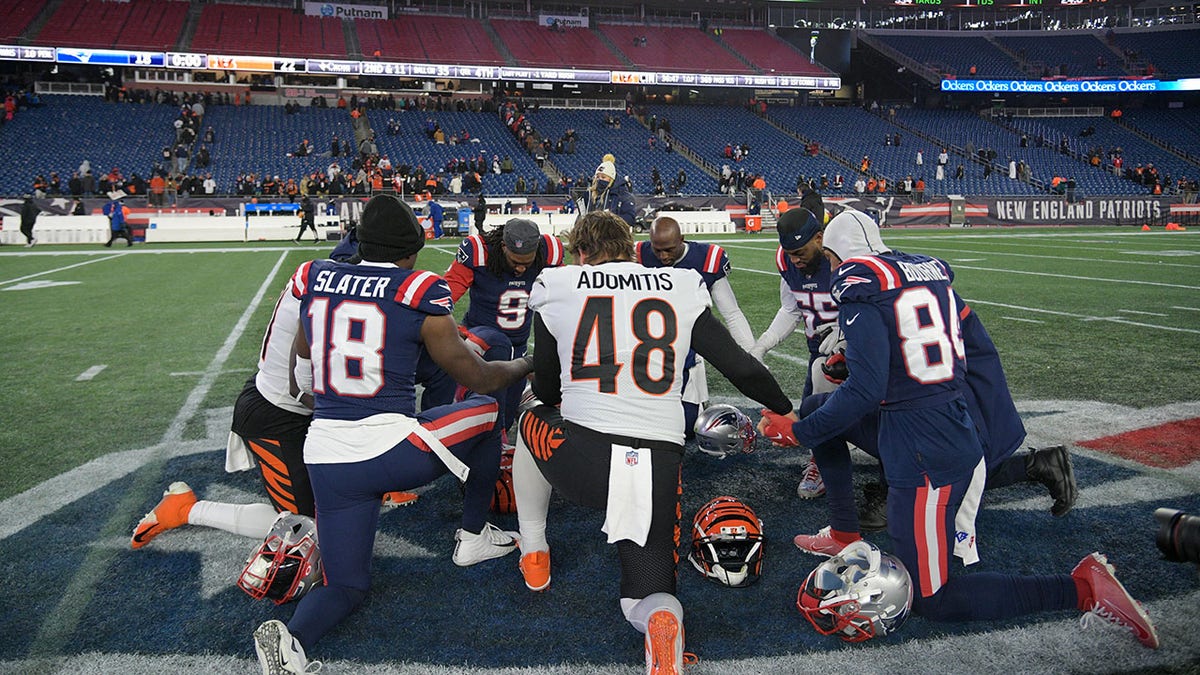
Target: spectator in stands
{"points": [[920, 158], [987, 169], [943, 158], [158, 186], [210, 185], [940, 173], [860, 185], [77, 208], [919, 191], [958, 171], [865, 164], [203, 159]]}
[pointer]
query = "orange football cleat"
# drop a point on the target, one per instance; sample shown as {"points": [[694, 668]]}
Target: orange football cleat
{"points": [[170, 512]]}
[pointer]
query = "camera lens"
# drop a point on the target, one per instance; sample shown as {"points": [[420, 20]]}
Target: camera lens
{"points": [[1178, 535]]}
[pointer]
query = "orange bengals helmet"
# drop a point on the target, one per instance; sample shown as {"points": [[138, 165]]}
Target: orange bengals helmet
{"points": [[727, 542]]}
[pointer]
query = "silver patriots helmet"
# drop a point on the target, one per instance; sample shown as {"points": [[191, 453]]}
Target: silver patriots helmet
{"points": [[724, 430], [287, 564], [858, 594]]}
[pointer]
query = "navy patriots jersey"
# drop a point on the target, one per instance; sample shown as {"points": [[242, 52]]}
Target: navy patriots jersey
{"points": [[363, 323], [905, 353], [813, 294], [709, 260], [498, 302], [912, 293]]}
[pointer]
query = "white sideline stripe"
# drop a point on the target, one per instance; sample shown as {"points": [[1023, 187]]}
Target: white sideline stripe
{"points": [[773, 273], [1189, 309], [935, 247], [193, 373], [64, 618], [90, 373], [1084, 317], [1137, 282], [1134, 311], [1017, 318], [61, 269], [22, 511]]}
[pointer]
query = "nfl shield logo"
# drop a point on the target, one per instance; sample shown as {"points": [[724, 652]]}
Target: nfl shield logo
{"points": [[631, 457]]}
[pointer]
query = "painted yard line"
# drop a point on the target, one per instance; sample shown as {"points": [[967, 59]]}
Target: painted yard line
{"points": [[1060, 257], [1134, 311], [1074, 277], [107, 256], [1017, 318], [64, 619], [193, 373], [1188, 309], [773, 273], [90, 373], [1084, 317]]}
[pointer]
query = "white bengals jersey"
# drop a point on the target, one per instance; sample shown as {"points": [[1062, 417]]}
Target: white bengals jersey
{"points": [[623, 333], [274, 376]]}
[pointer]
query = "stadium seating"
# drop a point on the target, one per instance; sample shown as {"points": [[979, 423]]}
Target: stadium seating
{"points": [[1172, 52], [258, 139], [1069, 55], [1178, 128], [954, 54], [1107, 135], [532, 44], [413, 147], [629, 144], [428, 39], [780, 158], [15, 17], [70, 129], [770, 53], [959, 129], [240, 29], [673, 49], [139, 24]]}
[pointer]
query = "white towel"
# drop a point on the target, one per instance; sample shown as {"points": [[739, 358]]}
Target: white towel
{"points": [[630, 495], [964, 519], [237, 455]]}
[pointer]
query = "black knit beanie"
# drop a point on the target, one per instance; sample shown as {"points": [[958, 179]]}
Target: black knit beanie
{"points": [[389, 230]]}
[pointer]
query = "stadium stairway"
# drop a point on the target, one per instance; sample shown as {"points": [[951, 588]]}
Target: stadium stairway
{"points": [[851, 168], [737, 55], [350, 36], [900, 58], [612, 47], [1155, 140], [509, 59], [1023, 64], [40, 21], [190, 22]]}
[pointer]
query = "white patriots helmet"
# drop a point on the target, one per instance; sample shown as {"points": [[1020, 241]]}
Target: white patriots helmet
{"points": [[727, 542], [722, 430], [858, 594], [287, 564]]}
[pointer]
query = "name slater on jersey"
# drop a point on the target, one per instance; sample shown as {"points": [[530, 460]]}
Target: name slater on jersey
{"points": [[637, 281], [925, 271], [329, 281]]}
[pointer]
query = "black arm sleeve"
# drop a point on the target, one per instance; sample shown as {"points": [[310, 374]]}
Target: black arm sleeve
{"points": [[547, 373], [712, 340]]}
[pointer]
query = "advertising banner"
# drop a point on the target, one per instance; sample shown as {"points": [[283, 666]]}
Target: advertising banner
{"points": [[342, 10], [564, 20]]}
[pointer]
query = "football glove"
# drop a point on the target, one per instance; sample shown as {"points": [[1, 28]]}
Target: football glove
{"points": [[832, 339], [835, 368], [778, 430]]}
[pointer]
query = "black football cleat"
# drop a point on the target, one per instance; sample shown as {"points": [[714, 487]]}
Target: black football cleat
{"points": [[1052, 467], [872, 512]]}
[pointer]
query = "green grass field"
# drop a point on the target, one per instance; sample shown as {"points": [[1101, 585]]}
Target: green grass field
{"points": [[1109, 315]]}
